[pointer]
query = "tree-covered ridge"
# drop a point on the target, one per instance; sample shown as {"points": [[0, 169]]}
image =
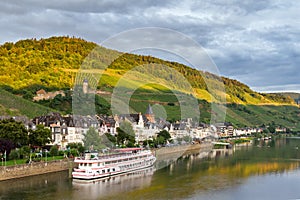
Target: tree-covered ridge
{"points": [[41, 62], [53, 63]]}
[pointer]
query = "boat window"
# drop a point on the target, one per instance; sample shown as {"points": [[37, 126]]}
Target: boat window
{"points": [[90, 164], [114, 169], [103, 171]]}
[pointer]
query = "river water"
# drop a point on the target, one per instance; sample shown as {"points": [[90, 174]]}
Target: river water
{"points": [[263, 170]]}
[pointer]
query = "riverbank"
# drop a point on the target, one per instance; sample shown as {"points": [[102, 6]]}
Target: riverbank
{"points": [[38, 168], [35, 168]]}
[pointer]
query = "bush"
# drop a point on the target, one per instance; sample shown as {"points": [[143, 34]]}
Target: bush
{"points": [[14, 155], [54, 150], [44, 154], [61, 153], [24, 151], [77, 146], [74, 152]]}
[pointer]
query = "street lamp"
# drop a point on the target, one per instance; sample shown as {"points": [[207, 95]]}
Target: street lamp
{"points": [[46, 152]]}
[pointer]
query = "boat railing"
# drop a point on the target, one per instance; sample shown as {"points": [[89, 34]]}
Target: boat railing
{"points": [[112, 156]]}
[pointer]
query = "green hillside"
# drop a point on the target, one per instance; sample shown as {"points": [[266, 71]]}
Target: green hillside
{"points": [[53, 63], [13, 105]]}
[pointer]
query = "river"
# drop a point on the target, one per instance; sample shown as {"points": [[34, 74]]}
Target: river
{"points": [[263, 170]]}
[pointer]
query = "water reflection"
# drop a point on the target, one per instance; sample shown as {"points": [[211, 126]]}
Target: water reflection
{"points": [[106, 187], [203, 173], [46, 186], [264, 170]]}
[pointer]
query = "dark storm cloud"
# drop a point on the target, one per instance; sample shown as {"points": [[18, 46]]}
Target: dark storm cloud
{"points": [[256, 42]]}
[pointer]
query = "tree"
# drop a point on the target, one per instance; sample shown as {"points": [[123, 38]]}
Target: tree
{"points": [[92, 140], [125, 134], [78, 146], [6, 146], [187, 138], [127, 128], [111, 138], [272, 129], [108, 140], [121, 136], [40, 136], [14, 131], [24, 152], [163, 136]]}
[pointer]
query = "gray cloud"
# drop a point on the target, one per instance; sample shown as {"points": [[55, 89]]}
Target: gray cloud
{"points": [[256, 42]]}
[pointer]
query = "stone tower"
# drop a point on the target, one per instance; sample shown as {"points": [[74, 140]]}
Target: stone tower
{"points": [[85, 86]]}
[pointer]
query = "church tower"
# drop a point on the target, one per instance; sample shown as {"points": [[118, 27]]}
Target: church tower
{"points": [[150, 115]]}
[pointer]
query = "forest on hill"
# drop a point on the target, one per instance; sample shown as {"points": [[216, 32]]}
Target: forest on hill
{"points": [[53, 63], [31, 64]]}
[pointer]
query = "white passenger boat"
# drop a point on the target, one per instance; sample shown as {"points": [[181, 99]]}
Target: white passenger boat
{"points": [[122, 161]]}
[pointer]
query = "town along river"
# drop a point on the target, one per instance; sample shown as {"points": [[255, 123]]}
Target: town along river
{"points": [[264, 170]]}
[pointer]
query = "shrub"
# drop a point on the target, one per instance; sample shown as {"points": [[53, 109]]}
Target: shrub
{"points": [[54, 150], [74, 152], [14, 155], [61, 153], [24, 152]]}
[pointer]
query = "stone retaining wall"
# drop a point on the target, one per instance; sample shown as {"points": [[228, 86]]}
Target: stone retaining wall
{"points": [[18, 171], [178, 151]]}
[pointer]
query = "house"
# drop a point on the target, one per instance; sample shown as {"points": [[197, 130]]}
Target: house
{"points": [[67, 129], [43, 95], [108, 124]]}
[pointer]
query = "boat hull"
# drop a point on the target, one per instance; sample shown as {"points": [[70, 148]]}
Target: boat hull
{"points": [[99, 176]]}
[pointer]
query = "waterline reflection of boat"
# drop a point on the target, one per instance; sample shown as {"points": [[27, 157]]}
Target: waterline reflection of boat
{"points": [[108, 186]]}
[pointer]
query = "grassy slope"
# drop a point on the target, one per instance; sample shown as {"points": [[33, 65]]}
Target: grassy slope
{"points": [[13, 105]]}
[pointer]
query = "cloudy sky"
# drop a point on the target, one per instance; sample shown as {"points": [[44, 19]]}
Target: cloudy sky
{"points": [[255, 42]]}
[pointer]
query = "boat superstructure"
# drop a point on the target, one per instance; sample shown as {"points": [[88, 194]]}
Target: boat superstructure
{"points": [[121, 161]]}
